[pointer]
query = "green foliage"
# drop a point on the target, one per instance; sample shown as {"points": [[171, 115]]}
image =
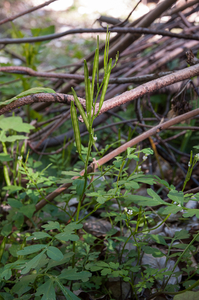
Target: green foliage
{"points": [[58, 252]]}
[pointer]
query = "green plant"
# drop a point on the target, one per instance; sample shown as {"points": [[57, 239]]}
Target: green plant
{"points": [[52, 259]]}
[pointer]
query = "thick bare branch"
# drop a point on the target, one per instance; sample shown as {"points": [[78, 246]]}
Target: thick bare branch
{"points": [[149, 87]]}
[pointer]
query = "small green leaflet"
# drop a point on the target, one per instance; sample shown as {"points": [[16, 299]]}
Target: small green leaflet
{"points": [[47, 289], [7, 229], [14, 203], [79, 183], [191, 213], [156, 199], [154, 251], [38, 235], [70, 173], [67, 293], [35, 90], [187, 295], [5, 157], [106, 271], [12, 188], [176, 196], [131, 185], [15, 123], [54, 253], [158, 239], [72, 274], [31, 249], [182, 234], [68, 234], [22, 286], [12, 138], [51, 225], [146, 201], [28, 210], [65, 259], [172, 209], [33, 263], [7, 273]]}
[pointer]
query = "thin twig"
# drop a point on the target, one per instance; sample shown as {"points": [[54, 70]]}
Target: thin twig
{"points": [[130, 30], [25, 12]]}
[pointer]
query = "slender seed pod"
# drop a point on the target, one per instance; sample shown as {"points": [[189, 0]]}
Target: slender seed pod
{"points": [[5, 168], [2, 247], [106, 81], [95, 69], [75, 124], [82, 112], [88, 92]]}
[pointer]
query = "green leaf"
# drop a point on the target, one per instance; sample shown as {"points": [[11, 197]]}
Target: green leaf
{"points": [[7, 229], [64, 260], [96, 266], [65, 236], [12, 188], [158, 239], [144, 201], [15, 123], [173, 209], [72, 274], [176, 196], [5, 157], [79, 183], [187, 295], [101, 200], [47, 289], [14, 203], [51, 225], [154, 251], [70, 173], [191, 212], [6, 274], [28, 210], [184, 246], [131, 185], [72, 226], [182, 234], [68, 235], [54, 253], [12, 138], [38, 235], [144, 179], [31, 249], [33, 263], [22, 286], [68, 294], [156, 198], [106, 271], [114, 265], [14, 249], [34, 90]]}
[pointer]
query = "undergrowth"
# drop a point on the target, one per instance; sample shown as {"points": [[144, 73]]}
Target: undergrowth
{"points": [[54, 253]]}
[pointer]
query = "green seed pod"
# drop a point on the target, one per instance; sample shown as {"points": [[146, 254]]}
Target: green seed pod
{"points": [[106, 81], [75, 124], [82, 112]]}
